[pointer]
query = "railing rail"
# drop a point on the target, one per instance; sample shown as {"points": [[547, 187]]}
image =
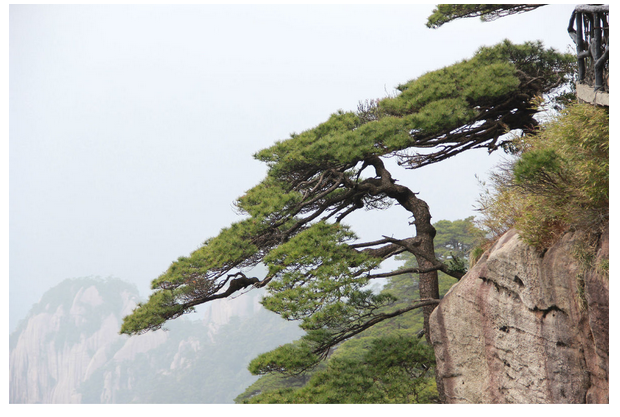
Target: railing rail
{"points": [[589, 29]]}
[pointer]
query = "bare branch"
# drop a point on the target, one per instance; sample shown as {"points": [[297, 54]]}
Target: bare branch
{"points": [[323, 349], [402, 272]]}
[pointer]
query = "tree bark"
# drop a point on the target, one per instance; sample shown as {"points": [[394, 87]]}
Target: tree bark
{"points": [[425, 234]]}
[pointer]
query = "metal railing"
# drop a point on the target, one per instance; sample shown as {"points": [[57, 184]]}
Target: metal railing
{"points": [[589, 29]]}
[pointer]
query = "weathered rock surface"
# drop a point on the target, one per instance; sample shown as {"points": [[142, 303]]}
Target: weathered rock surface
{"points": [[526, 327], [68, 349], [69, 335], [219, 312]]}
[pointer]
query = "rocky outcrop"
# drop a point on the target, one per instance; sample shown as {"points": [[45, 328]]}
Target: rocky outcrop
{"points": [[68, 336], [526, 327], [218, 313], [68, 349]]}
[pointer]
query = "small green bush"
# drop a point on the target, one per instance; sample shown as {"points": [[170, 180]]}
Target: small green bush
{"points": [[560, 180]]}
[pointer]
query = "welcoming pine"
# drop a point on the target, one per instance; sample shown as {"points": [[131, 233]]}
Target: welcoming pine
{"points": [[317, 270]]}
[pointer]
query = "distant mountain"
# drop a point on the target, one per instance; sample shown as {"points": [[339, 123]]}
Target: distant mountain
{"points": [[68, 350]]}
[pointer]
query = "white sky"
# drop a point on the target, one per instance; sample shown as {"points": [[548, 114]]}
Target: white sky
{"points": [[132, 128]]}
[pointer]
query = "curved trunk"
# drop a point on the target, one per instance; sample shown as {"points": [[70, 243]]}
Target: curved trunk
{"points": [[423, 246]]}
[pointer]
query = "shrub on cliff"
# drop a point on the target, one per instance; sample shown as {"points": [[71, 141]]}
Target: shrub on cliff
{"points": [[559, 180]]}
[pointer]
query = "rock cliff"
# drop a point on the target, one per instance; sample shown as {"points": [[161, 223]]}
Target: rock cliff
{"points": [[67, 336], [218, 313], [526, 327], [68, 349]]}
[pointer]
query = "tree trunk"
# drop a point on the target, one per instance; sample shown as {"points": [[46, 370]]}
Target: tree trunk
{"points": [[423, 248]]}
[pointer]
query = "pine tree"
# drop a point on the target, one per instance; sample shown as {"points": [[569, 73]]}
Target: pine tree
{"points": [[388, 363], [445, 13], [317, 269]]}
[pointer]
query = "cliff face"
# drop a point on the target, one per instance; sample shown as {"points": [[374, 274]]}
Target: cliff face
{"points": [[526, 327], [218, 313], [63, 341], [68, 349], [68, 336]]}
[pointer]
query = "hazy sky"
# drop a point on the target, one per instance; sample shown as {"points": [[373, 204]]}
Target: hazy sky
{"points": [[132, 128]]}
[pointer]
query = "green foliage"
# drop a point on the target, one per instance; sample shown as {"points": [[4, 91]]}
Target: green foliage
{"points": [[330, 321], [445, 13], [392, 370], [437, 102], [444, 97], [457, 265], [456, 238], [387, 363], [320, 246], [341, 314], [187, 278], [328, 307], [315, 270], [475, 255], [274, 388], [531, 58], [454, 242], [499, 205], [224, 252], [306, 149], [289, 359], [294, 215], [153, 314], [268, 199], [537, 166], [274, 382], [576, 151], [560, 180]]}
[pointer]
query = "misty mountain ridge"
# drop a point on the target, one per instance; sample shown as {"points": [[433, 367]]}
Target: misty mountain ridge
{"points": [[68, 349]]}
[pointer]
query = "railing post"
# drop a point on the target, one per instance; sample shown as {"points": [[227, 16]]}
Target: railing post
{"points": [[581, 60], [597, 22]]}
